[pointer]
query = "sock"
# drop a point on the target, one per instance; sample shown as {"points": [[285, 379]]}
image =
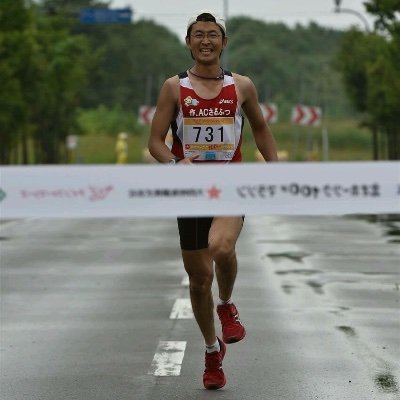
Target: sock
{"points": [[213, 348], [221, 302]]}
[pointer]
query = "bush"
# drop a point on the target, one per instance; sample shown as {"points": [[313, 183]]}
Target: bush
{"points": [[106, 121]]}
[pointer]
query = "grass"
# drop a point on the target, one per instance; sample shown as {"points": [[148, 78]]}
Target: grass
{"points": [[348, 142]]}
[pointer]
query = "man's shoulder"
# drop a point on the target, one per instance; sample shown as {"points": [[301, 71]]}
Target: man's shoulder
{"points": [[243, 82], [240, 78], [173, 79], [172, 83]]}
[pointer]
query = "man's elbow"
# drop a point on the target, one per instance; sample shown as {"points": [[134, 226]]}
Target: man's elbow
{"points": [[151, 146]]}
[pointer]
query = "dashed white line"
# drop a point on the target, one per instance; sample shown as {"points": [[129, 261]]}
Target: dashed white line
{"points": [[182, 309], [168, 359]]}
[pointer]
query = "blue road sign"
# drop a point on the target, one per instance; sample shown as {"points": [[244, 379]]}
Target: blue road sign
{"points": [[105, 16]]}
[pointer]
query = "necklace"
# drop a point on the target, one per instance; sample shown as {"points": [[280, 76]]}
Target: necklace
{"points": [[220, 76]]}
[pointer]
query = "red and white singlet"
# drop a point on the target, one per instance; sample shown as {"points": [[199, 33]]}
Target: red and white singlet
{"points": [[210, 128]]}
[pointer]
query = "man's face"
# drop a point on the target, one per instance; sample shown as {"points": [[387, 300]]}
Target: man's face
{"points": [[206, 42]]}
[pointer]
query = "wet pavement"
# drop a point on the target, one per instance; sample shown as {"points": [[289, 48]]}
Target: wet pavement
{"points": [[85, 303]]}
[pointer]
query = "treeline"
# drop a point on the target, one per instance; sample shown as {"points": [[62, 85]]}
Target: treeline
{"points": [[55, 70]]}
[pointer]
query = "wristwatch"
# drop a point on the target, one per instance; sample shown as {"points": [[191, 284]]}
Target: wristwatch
{"points": [[174, 160]]}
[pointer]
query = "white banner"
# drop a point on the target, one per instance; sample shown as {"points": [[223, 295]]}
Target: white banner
{"points": [[229, 189]]}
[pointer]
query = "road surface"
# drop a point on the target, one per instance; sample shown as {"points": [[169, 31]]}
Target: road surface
{"points": [[98, 309]]}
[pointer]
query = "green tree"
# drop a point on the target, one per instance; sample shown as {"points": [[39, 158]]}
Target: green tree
{"points": [[61, 82], [369, 66], [15, 47], [44, 69]]}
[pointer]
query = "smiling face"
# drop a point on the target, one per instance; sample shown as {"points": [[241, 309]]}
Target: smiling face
{"points": [[206, 41]]}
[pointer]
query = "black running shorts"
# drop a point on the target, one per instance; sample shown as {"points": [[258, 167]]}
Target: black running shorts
{"points": [[193, 232]]}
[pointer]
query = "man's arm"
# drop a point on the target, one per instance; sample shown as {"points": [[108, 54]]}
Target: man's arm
{"points": [[262, 134], [165, 113]]}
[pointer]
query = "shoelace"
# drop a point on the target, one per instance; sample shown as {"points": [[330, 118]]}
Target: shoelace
{"points": [[227, 315], [213, 361]]}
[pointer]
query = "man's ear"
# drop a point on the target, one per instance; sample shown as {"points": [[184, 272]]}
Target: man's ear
{"points": [[187, 40]]}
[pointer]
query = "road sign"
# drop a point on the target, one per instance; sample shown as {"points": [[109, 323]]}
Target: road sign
{"points": [[270, 112], [306, 115], [146, 114], [105, 15]]}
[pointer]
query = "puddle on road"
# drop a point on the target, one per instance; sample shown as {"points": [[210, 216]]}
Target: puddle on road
{"points": [[317, 287], [386, 383], [288, 289], [389, 222], [292, 255], [384, 379], [305, 272], [347, 330]]}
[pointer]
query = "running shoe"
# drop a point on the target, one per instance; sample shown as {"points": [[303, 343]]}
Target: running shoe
{"points": [[214, 377], [232, 329]]}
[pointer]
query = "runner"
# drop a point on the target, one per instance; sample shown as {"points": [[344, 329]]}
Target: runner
{"points": [[203, 108]]}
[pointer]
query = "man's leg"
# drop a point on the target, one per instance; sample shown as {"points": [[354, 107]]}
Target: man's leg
{"points": [[223, 236], [224, 233], [199, 266]]}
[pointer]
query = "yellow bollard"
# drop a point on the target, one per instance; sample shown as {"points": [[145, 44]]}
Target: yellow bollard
{"points": [[121, 148]]}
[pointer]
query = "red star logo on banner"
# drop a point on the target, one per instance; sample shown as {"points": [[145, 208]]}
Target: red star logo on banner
{"points": [[213, 192]]}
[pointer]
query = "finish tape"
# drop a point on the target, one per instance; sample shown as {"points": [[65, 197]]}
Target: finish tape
{"points": [[200, 190]]}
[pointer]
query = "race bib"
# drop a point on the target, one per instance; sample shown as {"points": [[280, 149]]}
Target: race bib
{"points": [[210, 138]]}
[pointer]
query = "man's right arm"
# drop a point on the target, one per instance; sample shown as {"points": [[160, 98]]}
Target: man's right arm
{"points": [[165, 113]]}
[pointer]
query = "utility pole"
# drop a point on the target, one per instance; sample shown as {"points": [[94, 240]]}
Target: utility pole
{"points": [[225, 52]]}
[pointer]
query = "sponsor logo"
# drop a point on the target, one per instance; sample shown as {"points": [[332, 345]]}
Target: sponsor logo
{"points": [[210, 155], [213, 192], [91, 193], [225, 101], [190, 101], [165, 192], [174, 193]]}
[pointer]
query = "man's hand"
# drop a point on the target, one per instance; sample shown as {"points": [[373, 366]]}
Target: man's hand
{"points": [[188, 160]]}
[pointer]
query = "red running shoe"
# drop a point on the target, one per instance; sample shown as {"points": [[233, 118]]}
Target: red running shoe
{"points": [[214, 377], [232, 329]]}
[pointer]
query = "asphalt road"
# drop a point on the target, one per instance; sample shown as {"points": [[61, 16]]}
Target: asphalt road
{"points": [[86, 303]]}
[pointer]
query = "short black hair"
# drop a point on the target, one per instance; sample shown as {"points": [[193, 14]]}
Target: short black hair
{"points": [[205, 17]]}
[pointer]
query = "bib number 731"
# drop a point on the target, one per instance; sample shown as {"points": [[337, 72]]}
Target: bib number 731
{"points": [[210, 138], [209, 135]]}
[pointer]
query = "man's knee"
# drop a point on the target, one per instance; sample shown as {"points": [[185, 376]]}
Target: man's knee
{"points": [[200, 284], [222, 250]]}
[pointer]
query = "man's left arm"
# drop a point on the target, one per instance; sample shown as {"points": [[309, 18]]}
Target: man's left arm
{"points": [[263, 136]]}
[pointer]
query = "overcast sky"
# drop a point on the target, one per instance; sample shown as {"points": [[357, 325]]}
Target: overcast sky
{"points": [[174, 13]]}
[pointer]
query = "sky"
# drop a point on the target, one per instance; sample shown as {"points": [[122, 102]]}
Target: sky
{"points": [[174, 13]]}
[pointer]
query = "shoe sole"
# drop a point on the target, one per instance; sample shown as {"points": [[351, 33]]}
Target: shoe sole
{"points": [[233, 339], [215, 387]]}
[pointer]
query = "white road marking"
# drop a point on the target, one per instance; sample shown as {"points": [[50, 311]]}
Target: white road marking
{"points": [[182, 309], [168, 359]]}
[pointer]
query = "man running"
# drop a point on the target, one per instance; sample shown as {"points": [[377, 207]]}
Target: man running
{"points": [[203, 107]]}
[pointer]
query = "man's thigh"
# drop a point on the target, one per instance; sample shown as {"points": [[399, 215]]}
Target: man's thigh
{"points": [[226, 228]]}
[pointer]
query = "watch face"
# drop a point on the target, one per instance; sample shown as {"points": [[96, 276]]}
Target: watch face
{"points": [[172, 162]]}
